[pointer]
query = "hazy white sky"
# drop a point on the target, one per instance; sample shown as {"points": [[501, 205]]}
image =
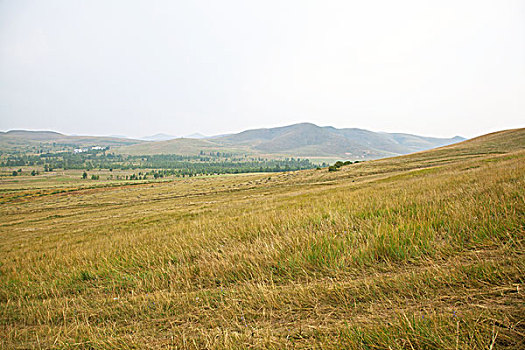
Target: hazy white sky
{"points": [[438, 68]]}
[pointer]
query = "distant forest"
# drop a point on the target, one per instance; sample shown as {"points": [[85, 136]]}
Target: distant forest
{"points": [[178, 165]]}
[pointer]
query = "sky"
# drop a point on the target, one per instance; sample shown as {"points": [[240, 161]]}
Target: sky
{"points": [[136, 68]]}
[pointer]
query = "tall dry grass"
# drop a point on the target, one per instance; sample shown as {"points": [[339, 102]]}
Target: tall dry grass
{"points": [[424, 251]]}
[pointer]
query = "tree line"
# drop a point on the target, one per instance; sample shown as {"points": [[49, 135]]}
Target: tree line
{"points": [[178, 165]]}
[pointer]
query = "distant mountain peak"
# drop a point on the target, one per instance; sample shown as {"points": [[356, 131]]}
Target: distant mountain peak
{"points": [[196, 136], [158, 137]]}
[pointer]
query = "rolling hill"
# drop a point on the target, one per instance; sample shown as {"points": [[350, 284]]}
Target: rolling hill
{"points": [[182, 146], [301, 140], [20, 139]]}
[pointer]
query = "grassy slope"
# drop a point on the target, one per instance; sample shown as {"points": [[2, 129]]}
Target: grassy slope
{"points": [[421, 251], [182, 146]]}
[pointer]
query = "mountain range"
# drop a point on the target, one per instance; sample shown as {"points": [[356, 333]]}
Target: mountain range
{"points": [[297, 140], [300, 140], [158, 137]]}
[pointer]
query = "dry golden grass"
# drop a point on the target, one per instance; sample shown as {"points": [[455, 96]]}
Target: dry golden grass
{"points": [[423, 251]]}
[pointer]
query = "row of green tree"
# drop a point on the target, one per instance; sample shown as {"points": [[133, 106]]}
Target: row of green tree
{"points": [[179, 165]]}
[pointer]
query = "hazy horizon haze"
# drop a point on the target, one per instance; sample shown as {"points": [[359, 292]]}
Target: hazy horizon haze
{"points": [[136, 69]]}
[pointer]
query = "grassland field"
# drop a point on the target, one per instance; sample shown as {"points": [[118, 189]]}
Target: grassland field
{"points": [[424, 251]]}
